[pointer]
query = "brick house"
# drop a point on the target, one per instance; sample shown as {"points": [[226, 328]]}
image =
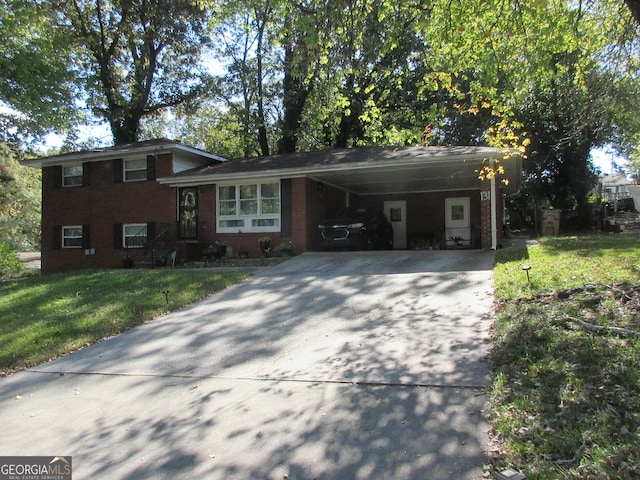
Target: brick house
{"points": [[104, 207]]}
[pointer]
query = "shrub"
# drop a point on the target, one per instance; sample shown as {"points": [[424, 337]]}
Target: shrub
{"points": [[10, 264]]}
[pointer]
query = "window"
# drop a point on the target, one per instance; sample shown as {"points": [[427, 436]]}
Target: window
{"points": [[135, 170], [72, 236], [72, 176], [251, 207], [134, 235]]}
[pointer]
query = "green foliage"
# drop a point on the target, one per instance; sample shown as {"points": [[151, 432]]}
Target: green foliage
{"points": [[10, 264], [38, 84], [137, 57], [206, 127], [19, 202], [44, 317]]}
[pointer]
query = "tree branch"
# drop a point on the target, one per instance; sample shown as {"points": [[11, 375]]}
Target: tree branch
{"points": [[625, 332]]}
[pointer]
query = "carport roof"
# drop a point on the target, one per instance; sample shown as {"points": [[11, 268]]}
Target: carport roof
{"points": [[365, 170]]}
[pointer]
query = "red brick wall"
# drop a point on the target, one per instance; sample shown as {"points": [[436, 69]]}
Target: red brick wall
{"points": [[101, 205], [426, 214]]}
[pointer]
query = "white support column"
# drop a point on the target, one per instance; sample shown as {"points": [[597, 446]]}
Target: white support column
{"points": [[494, 212]]}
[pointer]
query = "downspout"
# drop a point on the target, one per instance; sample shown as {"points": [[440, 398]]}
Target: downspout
{"points": [[494, 212]]}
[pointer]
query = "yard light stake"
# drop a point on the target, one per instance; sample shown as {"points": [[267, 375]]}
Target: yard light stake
{"points": [[166, 295], [526, 268]]}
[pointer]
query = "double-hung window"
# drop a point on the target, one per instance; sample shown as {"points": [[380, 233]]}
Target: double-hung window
{"points": [[134, 235], [72, 236], [72, 176], [135, 169], [250, 207]]}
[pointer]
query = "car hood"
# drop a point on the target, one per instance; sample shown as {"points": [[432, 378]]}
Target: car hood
{"points": [[342, 221]]}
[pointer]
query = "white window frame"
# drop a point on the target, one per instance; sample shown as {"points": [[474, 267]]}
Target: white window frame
{"points": [[248, 222], [66, 177], [68, 238], [137, 227], [126, 169]]}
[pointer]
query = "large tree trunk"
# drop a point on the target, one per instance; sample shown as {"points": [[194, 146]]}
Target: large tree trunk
{"points": [[125, 130], [634, 6], [263, 141], [294, 99]]}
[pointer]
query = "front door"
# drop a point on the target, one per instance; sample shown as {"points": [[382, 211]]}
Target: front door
{"points": [[457, 223], [188, 213], [396, 212]]}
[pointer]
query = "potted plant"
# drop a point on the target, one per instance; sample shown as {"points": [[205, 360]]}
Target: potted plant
{"points": [[286, 248], [127, 261], [265, 245], [208, 253], [221, 249]]}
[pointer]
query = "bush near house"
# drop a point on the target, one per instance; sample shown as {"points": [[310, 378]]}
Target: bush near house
{"points": [[10, 264], [565, 402]]}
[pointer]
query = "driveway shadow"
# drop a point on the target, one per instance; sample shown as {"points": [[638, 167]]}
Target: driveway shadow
{"points": [[313, 369]]}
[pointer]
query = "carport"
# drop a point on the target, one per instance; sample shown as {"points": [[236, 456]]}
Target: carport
{"points": [[432, 195]]}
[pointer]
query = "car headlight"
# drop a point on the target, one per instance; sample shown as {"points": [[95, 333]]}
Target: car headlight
{"points": [[356, 225], [321, 226]]}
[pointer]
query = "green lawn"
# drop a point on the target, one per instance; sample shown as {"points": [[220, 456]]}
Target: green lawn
{"points": [[42, 317], [565, 402]]}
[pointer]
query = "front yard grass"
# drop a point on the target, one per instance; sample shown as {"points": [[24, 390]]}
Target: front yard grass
{"points": [[565, 402], [43, 317]]}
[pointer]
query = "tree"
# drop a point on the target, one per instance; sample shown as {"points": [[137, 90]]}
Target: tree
{"points": [[248, 88], [136, 58], [36, 87], [207, 127], [20, 200], [566, 121]]}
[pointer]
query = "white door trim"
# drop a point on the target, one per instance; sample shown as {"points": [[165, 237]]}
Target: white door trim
{"points": [[457, 218], [396, 213]]}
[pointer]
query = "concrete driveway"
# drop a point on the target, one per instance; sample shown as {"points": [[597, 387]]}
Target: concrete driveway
{"points": [[330, 366]]}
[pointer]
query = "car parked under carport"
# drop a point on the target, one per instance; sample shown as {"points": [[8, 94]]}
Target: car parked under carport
{"points": [[357, 228]]}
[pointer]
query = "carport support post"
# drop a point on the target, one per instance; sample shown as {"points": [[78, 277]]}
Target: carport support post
{"points": [[488, 214], [494, 212]]}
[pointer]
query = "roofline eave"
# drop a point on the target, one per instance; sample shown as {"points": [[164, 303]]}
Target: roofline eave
{"points": [[107, 154], [307, 171]]}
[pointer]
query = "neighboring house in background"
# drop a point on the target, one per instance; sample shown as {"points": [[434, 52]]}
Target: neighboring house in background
{"points": [[621, 198], [619, 187], [105, 206]]}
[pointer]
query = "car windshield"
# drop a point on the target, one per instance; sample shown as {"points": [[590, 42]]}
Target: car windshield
{"points": [[351, 212]]}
